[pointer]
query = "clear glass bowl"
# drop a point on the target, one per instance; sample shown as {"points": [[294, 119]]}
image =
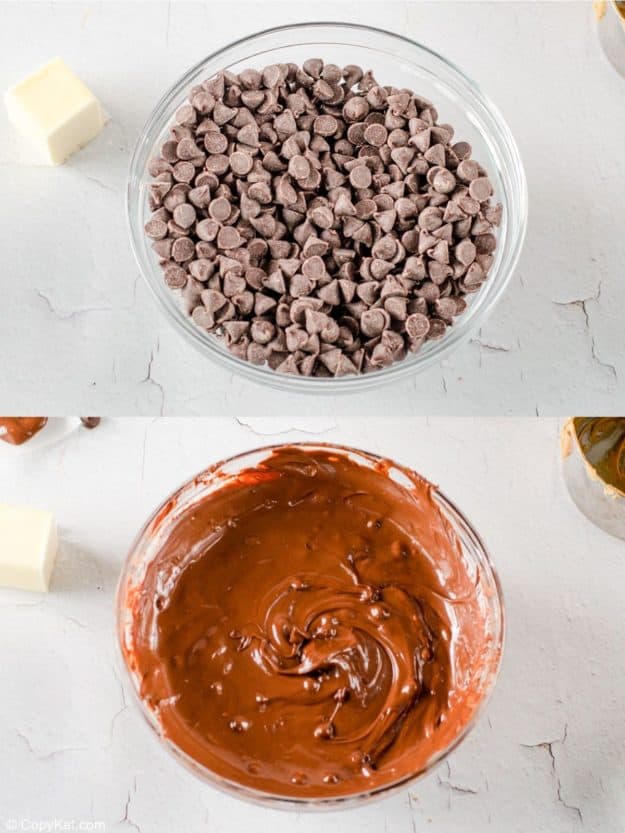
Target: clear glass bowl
{"points": [[395, 60], [163, 520]]}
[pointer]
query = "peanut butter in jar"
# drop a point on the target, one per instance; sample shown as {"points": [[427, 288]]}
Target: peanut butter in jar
{"points": [[593, 460]]}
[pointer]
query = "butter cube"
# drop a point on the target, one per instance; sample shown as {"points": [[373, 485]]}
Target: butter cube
{"points": [[28, 544], [55, 111]]}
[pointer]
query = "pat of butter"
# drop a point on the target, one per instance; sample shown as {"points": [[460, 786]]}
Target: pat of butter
{"points": [[55, 111], [28, 544]]}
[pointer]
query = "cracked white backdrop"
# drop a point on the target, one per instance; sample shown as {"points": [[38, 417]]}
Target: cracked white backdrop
{"points": [[80, 331], [548, 754]]}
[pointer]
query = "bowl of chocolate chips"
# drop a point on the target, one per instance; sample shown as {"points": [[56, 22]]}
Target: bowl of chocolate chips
{"points": [[326, 207]]}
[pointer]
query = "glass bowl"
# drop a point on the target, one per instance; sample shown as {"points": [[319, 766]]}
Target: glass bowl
{"points": [[394, 60], [163, 520], [602, 503]]}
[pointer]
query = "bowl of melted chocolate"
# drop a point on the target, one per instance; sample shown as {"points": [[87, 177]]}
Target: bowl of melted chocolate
{"points": [[310, 624]]}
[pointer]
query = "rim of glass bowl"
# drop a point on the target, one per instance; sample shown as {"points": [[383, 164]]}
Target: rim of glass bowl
{"points": [[213, 476], [480, 111]]}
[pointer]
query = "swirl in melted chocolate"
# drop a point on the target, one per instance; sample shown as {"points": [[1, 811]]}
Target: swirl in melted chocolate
{"points": [[602, 439], [311, 629]]}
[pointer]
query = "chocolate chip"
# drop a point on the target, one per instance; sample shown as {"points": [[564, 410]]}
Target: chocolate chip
{"points": [[186, 115], [360, 177], [430, 218], [396, 307], [218, 164], [299, 167], [183, 171], [469, 206], [262, 331], [480, 189], [207, 229], [318, 222], [203, 102], [187, 149], [468, 170], [465, 252], [474, 275], [219, 209], [241, 163], [300, 286], [203, 318], [376, 135], [213, 300], [313, 268], [325, 125], [403, 156], [373, 322], [437, 329], [485, 243], [201, 269], [462, 149], [175, 276], [493, 213], [285, 124], [223, 114], [183, 249], [444, 181], [446, 308], [322, 217], [156, 229], [229, 238], [271, 76], [163, 248], [344, 207], [256, 353], [248, 135], [200, 196], [185, 215]]}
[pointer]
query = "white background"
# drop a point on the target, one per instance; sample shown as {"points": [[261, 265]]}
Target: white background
{"points": [[547, 755], [81, 333]]}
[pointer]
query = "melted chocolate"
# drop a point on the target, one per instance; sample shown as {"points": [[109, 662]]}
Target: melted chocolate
{"points": [[311, 629], [602, 440], [17, 430]]}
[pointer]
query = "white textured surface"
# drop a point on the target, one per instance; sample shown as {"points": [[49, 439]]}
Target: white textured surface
{"points": [[80, 331], [548, 754]]}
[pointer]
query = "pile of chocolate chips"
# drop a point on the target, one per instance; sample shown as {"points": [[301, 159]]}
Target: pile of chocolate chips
{"points": [[316, 221]]}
